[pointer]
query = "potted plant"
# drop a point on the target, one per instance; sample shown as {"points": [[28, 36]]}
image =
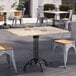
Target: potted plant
{"points": [[20, 5], [65, 7], [49, 7]]}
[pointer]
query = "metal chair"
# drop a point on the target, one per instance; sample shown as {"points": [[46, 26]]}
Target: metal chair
{"points": [[40, 16], [9, 52], [66, 45], [65, 21], [17, 16]]}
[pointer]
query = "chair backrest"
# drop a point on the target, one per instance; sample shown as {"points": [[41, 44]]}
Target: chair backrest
{"points": [[70, 14], [40, 12], [67, 15]]}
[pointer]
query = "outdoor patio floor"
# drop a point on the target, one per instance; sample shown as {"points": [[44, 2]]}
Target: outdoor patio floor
{"points": [[23, 52]]}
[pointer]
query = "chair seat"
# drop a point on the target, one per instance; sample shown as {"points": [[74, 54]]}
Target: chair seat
{"points": [[64, 41], [5, 47]]}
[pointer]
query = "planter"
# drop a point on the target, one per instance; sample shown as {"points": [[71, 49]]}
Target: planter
{"points": [[18, 13], [65, 7], [49, 7], [1, 18]]}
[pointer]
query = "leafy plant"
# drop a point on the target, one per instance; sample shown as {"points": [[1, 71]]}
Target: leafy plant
{"points": [[21, 4], [66, 7], [49, 6], [14, 4]]}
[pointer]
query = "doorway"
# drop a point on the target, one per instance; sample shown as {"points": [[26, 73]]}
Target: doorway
{"points": [[27, 7]]}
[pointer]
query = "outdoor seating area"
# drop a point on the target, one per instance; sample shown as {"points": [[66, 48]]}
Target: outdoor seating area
{"points": [[22, 43], [39, 40]]}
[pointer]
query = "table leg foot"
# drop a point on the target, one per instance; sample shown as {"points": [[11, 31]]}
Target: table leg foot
{"points": [[29, 62], [43, 61], [40, 66], [35, 61]]}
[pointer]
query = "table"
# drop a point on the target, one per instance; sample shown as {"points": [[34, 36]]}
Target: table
{"points": [[35, 32], [5, 14], [55, 12]]}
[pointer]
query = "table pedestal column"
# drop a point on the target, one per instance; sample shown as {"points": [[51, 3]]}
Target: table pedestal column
{"points": [[5, 25], [35, 59]]}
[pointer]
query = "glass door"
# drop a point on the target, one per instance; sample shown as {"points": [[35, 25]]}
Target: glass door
{"points": [[27, 8]]}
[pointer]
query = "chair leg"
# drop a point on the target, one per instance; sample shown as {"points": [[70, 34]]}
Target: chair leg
{"points": [[67, 25], [66, 49], [15, 22], [12, 22], [53, 22], [54, 53], [54, 49], [20, 21], [13, 59], [8, 58], [74, 48]]}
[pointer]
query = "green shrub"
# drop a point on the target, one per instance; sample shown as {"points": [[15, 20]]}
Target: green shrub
{"points": [[65, 7], [49, 7], [20, 5]]}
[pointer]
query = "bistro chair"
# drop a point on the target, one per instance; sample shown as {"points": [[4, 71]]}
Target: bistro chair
{"points": [[17, 16], [40, 17], [50, 16], [65, 44], [9, 52], [65, 20]]}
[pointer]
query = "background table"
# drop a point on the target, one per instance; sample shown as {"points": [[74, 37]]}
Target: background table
{"points": [[55, 12], [5, 25]]}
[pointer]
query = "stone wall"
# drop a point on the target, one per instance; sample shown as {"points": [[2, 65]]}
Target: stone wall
{"points": [[36, 3], [8, 4]]}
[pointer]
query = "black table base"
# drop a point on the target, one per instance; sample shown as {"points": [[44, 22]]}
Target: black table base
{"points": [[5, 25], [36, 59]]}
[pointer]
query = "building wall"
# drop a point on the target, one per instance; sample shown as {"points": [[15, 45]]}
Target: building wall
{"points": [[36, 3], [33, 8], [6, 4], [70, 1]]}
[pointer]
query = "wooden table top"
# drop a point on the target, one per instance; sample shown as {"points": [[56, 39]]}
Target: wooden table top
{"points": [[55, 12], [8, 10], [46, 30]]}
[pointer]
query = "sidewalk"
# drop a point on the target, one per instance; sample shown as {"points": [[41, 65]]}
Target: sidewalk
{"points": [[33, 20]]}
